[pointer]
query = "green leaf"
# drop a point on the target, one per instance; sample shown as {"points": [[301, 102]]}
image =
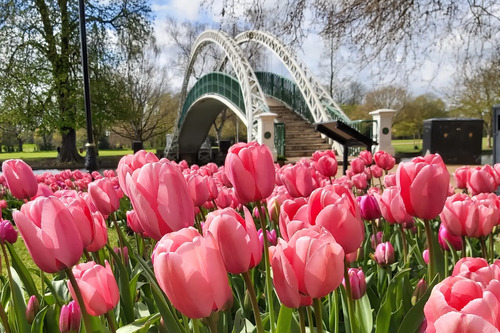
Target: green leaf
{"points": [[126, 299], [159, 298], [140, 325], [284, 320], [20, 303], [415, 316], [133, 285], [363, 314], [22, 271], [37, 326]]}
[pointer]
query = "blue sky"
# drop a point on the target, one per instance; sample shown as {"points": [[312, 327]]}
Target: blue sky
{"points": [[430, 77]]}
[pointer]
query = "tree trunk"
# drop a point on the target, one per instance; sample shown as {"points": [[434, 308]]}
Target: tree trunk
{"points": [[68, 152], [20, 144]]}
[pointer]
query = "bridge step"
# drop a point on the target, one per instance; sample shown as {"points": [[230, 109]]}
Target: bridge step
{"points": [[301, 139]]}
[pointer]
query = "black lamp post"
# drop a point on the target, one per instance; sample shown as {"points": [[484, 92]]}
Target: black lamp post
{"points": [[91, 159]]}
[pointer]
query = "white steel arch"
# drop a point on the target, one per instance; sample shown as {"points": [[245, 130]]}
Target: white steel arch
{"points": [[313, 91], [255, 101]]}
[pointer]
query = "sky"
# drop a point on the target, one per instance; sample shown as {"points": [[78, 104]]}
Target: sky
{"points": [[433, 76]]}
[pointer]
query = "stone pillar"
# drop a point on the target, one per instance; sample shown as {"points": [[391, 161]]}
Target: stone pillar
{"points": [[265, 130], [383, 129]]}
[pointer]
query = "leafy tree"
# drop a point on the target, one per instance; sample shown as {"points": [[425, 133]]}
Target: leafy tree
{"points": [[43, 35]]}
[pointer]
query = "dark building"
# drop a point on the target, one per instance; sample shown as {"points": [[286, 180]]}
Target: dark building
{"points": [[457, 140]]}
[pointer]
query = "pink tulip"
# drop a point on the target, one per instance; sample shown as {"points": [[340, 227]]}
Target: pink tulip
{"points": [[133, 222], [423, 185], [293, 217], [20, 179], [183, 164], [335, 208], [98, 287], [310, 264], [222, 177], [7, 232], [368, 173], [43, 191], [369, 207], [103, 195], [357, 165], [374, 190], [50, 234], [390, 179], [70, 318], [327, 164], [358, 282], [77, 174], [118, 252], [461, 176], [460, 215], [360, 181], [213, 191], [82, 215], [444, 236], [298, 180], [236, 239], [129, 163], [384, 160], [198, 189], [224, 198], [482, 180], [161, 200], [366, 156], [419, 291], [3, 204], [458, 304], [271, 237], [377, 171], [100, 233], [384, 254], [392, 207], [250, 168], [476, 269], [425, 256], [193, 287], [488, 216]]}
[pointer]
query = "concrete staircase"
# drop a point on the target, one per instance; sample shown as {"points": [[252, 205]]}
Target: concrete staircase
{"points": [[301, 139]]}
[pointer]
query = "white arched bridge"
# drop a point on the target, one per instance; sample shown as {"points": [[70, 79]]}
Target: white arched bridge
{"points": [[300, 102]]}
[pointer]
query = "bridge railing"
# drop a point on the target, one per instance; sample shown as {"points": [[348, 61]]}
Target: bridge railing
{"points": [[279, 139]]}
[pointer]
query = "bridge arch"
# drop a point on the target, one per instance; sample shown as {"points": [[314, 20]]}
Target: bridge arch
{"points": [[253, 97], [319, 101]]}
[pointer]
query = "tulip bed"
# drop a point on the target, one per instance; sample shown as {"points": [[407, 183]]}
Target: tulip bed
{"points": [[159, 246]]}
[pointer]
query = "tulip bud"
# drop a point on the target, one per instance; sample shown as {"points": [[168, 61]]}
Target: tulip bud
{"points": [[118, 251], [419, 291], [7, 232], [444, 235], [369, 208], [378, 240], [271, 237], [32, 309], [358, 283], [425, 255], [69, 320], [384, 254], [162, 328]]}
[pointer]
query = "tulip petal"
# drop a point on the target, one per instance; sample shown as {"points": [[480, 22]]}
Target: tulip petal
{"points": [[324, 270], [455, 322]]}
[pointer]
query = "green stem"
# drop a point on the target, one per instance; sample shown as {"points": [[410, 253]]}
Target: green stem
{"points": [[120, 237], [5, 319], [310, 319], [269, 287], [335, 296], [196, 328], [253, 300], [212, 324], [79, 299], [350, 305], [492, 247], [87, 255], [446, 264], [9, 274], [430, 246], [41, 283], [374, 231], [185, 321], [302, 320], [464, 253], [484, 249], [317, 312], [111, 322], [403, 244]]}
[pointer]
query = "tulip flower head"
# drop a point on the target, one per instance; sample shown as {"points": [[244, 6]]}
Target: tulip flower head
{"points": [[358, 282], [369, 208], [384, 254], [32, 309], [20, 179], [69, 320], [7, 232]]}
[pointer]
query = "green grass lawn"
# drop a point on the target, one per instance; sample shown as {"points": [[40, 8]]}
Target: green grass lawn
{"points": [[407, 146], [30, 154]]}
